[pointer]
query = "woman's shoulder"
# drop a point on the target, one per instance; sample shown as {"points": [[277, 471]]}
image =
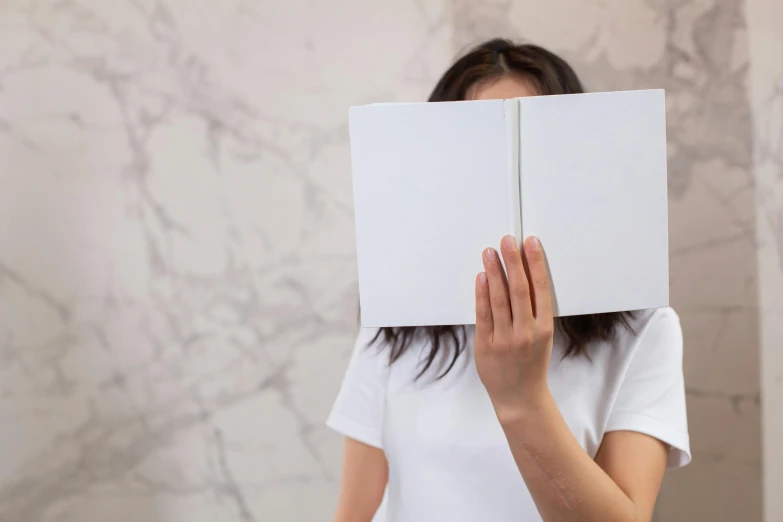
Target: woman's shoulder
{"points": [[652, 326], [654, 336], [654, 330], [638, 328], [649, 384], [656, 318]]}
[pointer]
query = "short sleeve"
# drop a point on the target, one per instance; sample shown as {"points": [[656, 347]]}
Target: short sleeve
{"points": [[358, 410], [651, 397]]}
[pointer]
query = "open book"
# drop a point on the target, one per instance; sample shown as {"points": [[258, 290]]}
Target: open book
{"points": [[436, 183]]}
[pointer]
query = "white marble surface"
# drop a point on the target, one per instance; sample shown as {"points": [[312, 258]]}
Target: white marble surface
{"points": [[766, 80], [177, 274]]}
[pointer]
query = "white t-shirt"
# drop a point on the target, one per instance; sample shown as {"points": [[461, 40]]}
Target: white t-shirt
{"points": [[447, 454]]}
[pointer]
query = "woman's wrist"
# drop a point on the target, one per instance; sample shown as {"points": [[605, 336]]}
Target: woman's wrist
{"points": [[530, 404]]}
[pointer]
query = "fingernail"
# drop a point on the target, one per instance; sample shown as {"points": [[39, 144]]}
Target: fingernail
{"points": [[509, 243], [535, 244], [491, 255], [482, 278]]}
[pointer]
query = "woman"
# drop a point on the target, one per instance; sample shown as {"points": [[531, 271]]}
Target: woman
{"points": [[522, 417]]}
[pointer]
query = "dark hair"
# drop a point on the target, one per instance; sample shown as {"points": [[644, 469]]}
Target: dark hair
{"points": [[549, 74]]}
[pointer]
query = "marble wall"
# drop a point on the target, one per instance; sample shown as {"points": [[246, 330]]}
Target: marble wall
{"points": [[765, 18], [177, 274]]}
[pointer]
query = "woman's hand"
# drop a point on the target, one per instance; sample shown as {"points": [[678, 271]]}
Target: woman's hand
{"points": [[514, 327], [512, 348]]}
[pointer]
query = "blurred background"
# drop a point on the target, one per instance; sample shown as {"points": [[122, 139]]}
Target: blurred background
{"points": [[177, 276]]}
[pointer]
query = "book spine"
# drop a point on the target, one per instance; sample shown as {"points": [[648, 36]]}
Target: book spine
{"points": [[514, 176]]}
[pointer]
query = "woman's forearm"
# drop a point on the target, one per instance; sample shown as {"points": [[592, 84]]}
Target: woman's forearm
{"points": [[565, 483]]}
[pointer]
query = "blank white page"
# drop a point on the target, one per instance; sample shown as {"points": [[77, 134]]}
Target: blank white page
{"points": [[431, 191], [593, 188]]}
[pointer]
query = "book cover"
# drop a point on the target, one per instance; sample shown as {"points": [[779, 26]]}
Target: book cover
{"points": [[436, 183]]}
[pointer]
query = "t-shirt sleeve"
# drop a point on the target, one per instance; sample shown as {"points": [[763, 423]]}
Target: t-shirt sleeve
{"points": [[651, 398], [358, 410]]}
